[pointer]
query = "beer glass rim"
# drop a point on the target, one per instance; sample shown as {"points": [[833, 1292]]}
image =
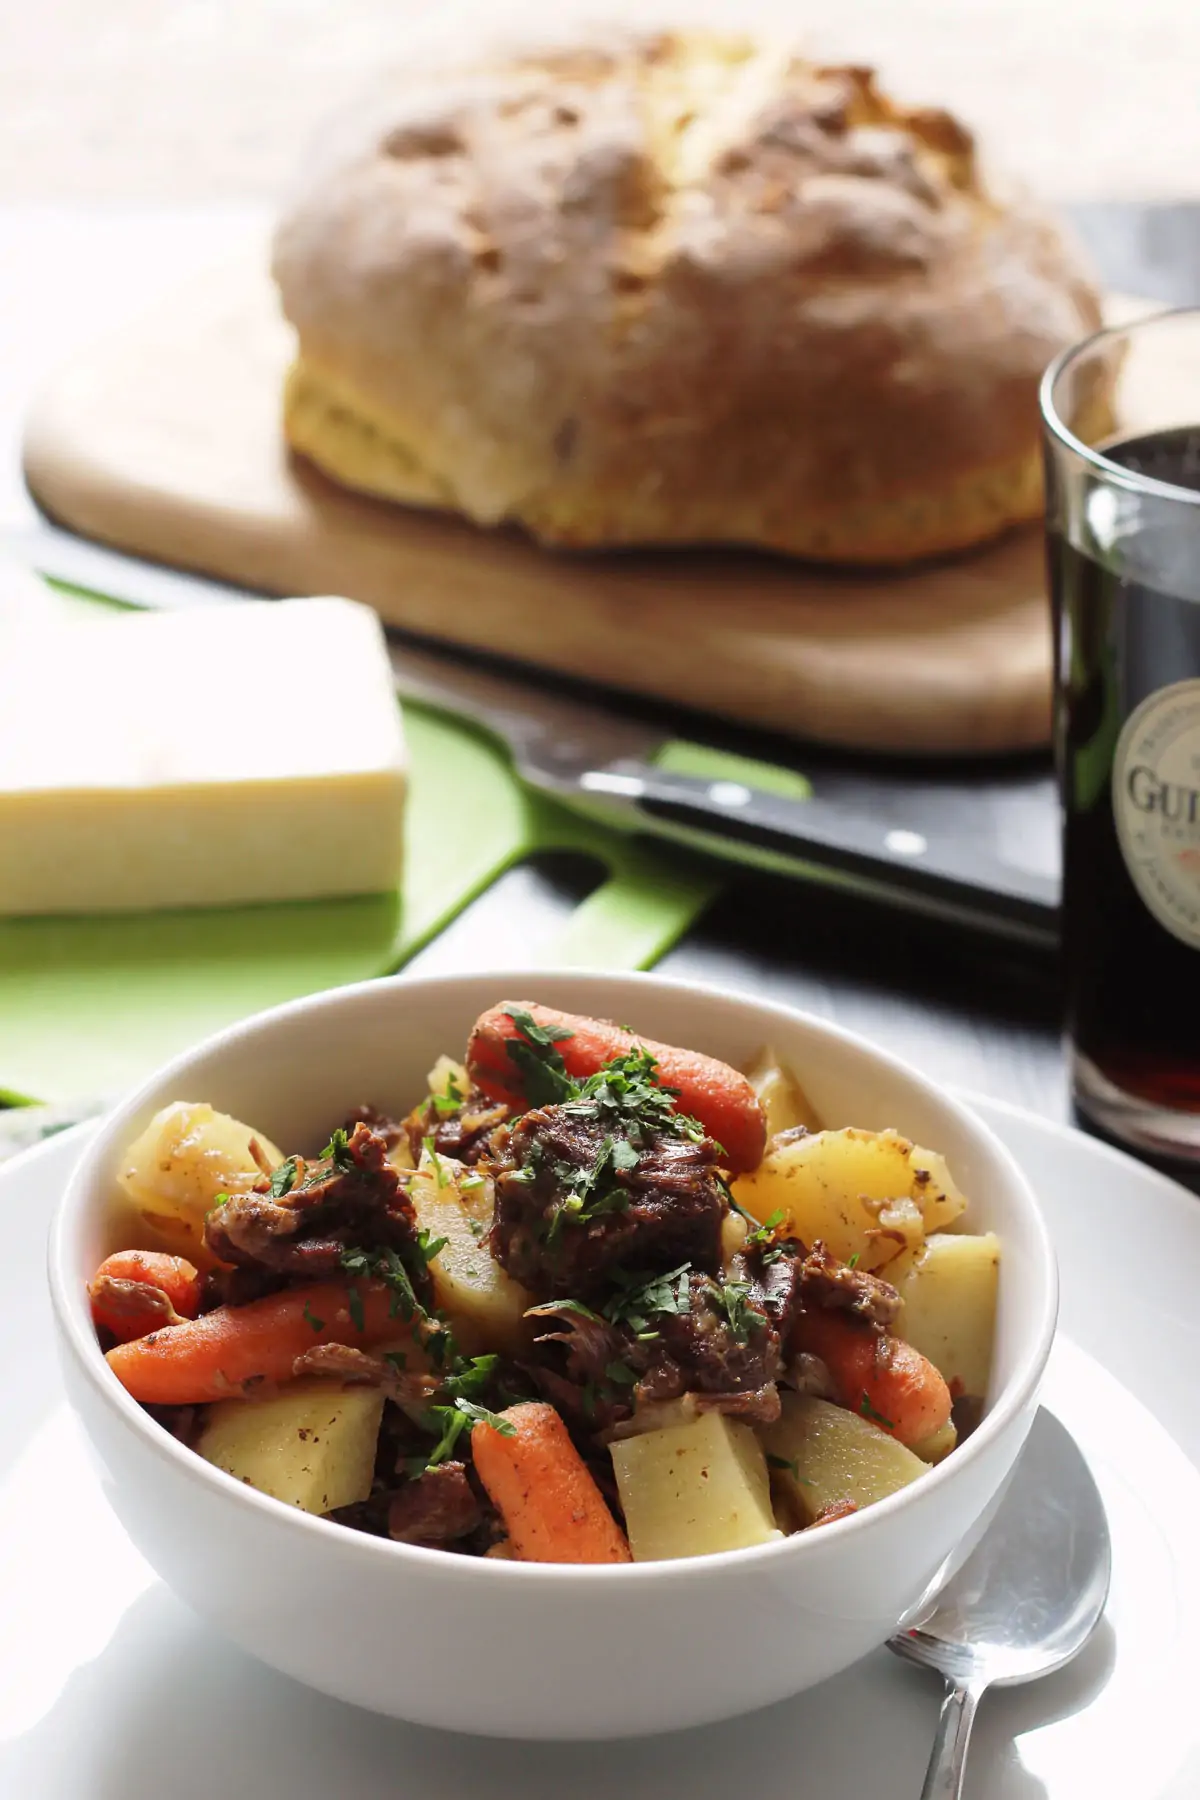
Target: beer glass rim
{"points": [[1057, 429]]}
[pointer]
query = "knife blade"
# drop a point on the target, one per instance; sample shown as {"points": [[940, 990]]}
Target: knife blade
{"points": [[607, 765], [981, 850]]}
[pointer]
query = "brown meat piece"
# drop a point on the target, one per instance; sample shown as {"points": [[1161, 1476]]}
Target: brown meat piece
{"points": [[775, 1272], [570, 1368], [350, 1198], [381, 1124], [464, 1135], [757, 1406], [238, 1286], [663, 1209], [343, 1362], [829, 1285], [436, 1508], [723, 1344]]}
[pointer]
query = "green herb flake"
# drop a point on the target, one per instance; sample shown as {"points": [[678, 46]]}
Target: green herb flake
{"points": [[337, 1151], [733, 1298], [354, 1302], [788, 1464], [869, 1412], [620, 1373], [476, 1227], [428, 1245], [439, 1172], [451, 1101], [310, 1318], [852, 1261], [544, 1078], [283, 1178], [642, 1298]]}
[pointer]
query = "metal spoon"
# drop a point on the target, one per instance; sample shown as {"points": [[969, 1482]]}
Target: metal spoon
{"points": [[1024, 1603]]}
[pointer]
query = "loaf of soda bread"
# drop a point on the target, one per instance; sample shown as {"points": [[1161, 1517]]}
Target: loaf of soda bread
{"points": [[674, 288]]}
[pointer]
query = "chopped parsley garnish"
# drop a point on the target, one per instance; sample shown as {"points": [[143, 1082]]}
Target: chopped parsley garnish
{"points": [[852, 1261], [472, 1379], [762, 1234], [625, 1093], [397, 1358], [733, 1297], [791, 1466], [620, 1373], [763, 1237], [450, 1101], [544, 1078], [476, 1227], [283, 1179], [641, 1298], [439, 1172], [337, 1151], [869, 1412], [454, 1420], [386, 1266], [311, 1318], [428, 1245], [354, 1302]]}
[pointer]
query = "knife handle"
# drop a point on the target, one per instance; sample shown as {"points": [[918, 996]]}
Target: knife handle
{"points": [[826, 838]]}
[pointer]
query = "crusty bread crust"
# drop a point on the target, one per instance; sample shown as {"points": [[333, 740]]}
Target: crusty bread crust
{"points": [[676, 288]]}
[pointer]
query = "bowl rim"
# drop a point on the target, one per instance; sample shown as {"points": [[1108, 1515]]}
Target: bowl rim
{"points": [[77, 1333]]}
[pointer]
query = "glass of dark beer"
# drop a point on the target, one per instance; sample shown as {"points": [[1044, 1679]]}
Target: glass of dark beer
{"points": [[1121, 415]]}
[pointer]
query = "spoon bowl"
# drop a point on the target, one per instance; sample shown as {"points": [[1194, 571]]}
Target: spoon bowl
{"points": [[1027, 1599]]}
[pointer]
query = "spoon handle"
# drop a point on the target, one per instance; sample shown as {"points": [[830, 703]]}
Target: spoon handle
{"points": [[948, 1761]]}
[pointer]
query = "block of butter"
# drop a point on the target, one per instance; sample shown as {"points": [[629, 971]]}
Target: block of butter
{"points": [[210, 757]]}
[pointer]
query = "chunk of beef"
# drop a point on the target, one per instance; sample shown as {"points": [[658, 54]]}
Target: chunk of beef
{"points": [[343, 1362], [721, 1344], [464, 1135], [351, 1197], [436, 1508], [775, 1272], [829, 1285], [570, 1206], [570, 1368], [238, 1286], [380, 1123]]}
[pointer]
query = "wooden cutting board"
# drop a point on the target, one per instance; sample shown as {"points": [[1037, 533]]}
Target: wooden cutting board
{"points": [[164, 441]]}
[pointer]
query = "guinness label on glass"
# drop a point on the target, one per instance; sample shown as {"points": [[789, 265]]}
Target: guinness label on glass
{"points": [[1156, 806]]}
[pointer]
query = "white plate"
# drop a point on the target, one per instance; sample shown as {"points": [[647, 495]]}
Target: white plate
{"points": [[111, 1690]]}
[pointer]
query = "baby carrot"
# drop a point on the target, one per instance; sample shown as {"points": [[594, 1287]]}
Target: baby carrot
{"points": [[233, 1350], [137, 1291], [719, 1097], [877, 1375], [542, 1489]]}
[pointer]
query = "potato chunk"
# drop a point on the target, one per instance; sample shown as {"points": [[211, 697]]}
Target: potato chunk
{"points": [[949, 1289], [826, 1456], [690, 1490], [851, 1189], [313, 1445], [485, 1306], [783, 1100], [187, 1155]]}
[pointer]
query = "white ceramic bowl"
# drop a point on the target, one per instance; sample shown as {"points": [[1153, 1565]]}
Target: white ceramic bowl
{"points": [[539, 1650]]}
